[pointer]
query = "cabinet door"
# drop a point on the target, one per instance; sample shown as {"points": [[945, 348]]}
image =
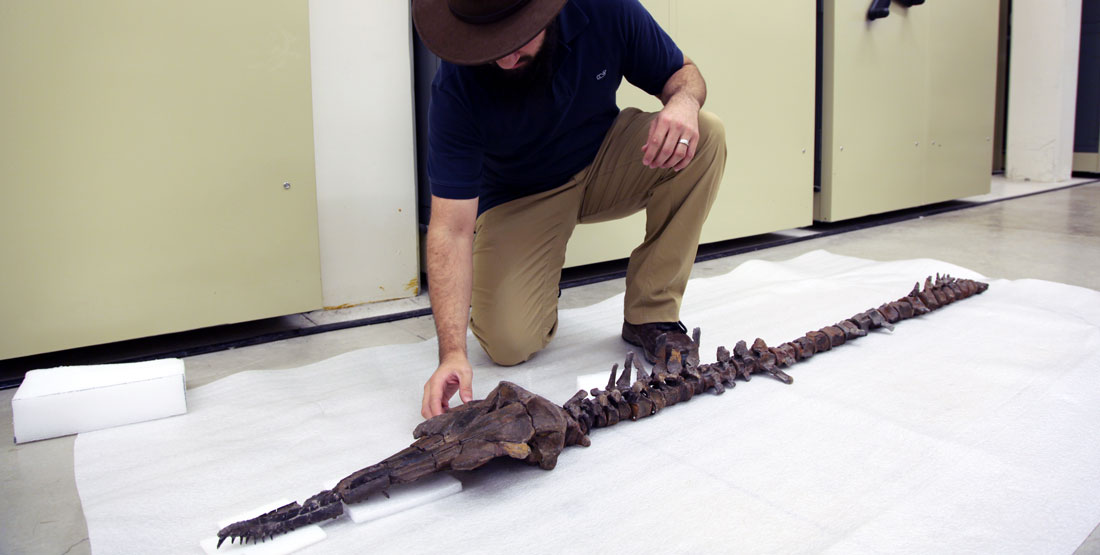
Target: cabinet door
{"points": [[143, 158], [962, 89], [874, 109], [907, 105], [758, 62]]}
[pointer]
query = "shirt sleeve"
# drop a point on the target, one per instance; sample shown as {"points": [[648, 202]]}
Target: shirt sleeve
{"points": [[454, 149], [650, 57]]}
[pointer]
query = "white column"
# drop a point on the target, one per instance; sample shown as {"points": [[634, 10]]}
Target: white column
{"points": [[361, 54], [1042, 89]]}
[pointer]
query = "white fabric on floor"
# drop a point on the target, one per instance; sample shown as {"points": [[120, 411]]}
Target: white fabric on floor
{"points": [[971, 429]]}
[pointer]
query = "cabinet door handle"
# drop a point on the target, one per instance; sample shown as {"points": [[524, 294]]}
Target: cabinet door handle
{"points": [[881, 8]]}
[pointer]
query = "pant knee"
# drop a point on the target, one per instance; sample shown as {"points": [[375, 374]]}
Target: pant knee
{"points": [[712, 132], [508, 344]]}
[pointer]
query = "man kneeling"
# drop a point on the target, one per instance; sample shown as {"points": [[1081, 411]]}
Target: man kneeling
{"points": [[526, 141]]}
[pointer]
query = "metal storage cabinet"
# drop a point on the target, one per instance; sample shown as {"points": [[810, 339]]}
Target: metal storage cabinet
{"points": [[758, 61], [907, 105], [142, 161]]}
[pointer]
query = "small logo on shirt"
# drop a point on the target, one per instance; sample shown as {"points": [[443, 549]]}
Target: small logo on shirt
{"points": [[601, 75]]}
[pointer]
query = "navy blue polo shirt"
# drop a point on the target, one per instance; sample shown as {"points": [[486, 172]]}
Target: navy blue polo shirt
{"points": [[496, 152]]}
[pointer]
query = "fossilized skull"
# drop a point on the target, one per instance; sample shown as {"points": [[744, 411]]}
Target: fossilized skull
{"points": [[511, 421]]}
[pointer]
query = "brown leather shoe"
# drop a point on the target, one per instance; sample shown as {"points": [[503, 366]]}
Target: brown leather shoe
{"points": [[645, 336]]}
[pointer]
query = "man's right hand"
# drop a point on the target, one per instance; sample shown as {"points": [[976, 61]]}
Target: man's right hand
{"points": [[452, 375], [450, 279]]}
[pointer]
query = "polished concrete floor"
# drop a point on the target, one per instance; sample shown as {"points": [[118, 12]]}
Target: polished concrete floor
{"points": [[1053, 236]]}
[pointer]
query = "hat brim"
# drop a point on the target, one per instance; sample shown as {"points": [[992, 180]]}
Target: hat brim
{"points": [[463, 43]]}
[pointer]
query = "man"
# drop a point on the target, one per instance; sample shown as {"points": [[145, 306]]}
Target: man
{"points": [[526, 141]]}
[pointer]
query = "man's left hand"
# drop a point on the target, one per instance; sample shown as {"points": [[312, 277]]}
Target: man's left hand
{"points": [[673, 134]]}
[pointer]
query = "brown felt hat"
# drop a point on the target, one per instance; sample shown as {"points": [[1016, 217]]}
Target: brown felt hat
{"points": [[470, 32]]}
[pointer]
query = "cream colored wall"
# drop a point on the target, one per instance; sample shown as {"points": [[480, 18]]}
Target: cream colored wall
{"points": [[758, 62], [144, 150], [363, 132], [145, 146]]}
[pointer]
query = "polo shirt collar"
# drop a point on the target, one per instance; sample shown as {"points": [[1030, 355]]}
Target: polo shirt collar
{"points": [[572, 21]]}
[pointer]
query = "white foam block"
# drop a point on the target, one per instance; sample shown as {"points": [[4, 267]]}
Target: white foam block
{"points": [[403, 497], [279, 545], [72, 399]]}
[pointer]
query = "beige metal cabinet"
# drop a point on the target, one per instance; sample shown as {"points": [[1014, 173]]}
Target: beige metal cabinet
{"points": [[143, 158], [908, 105], [758, 61]]}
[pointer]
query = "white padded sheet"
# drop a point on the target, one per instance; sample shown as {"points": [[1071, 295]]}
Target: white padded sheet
{"points": [[971, 429]]}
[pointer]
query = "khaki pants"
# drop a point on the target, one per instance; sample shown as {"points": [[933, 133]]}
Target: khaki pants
{"points": [[519, 246]]}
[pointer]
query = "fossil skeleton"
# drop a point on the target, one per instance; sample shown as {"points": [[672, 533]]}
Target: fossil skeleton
{"points": [[513, 422]]}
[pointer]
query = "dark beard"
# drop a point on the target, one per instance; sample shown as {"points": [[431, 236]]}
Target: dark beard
{"points": [[519, 83]]}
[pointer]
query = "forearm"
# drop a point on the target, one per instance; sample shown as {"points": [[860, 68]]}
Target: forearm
{"points": [[686, 85], [450, 279]]}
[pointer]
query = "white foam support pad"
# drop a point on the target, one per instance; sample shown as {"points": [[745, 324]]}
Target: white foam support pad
{"points": [[279, 545], [72, 399], [402, 497]]}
